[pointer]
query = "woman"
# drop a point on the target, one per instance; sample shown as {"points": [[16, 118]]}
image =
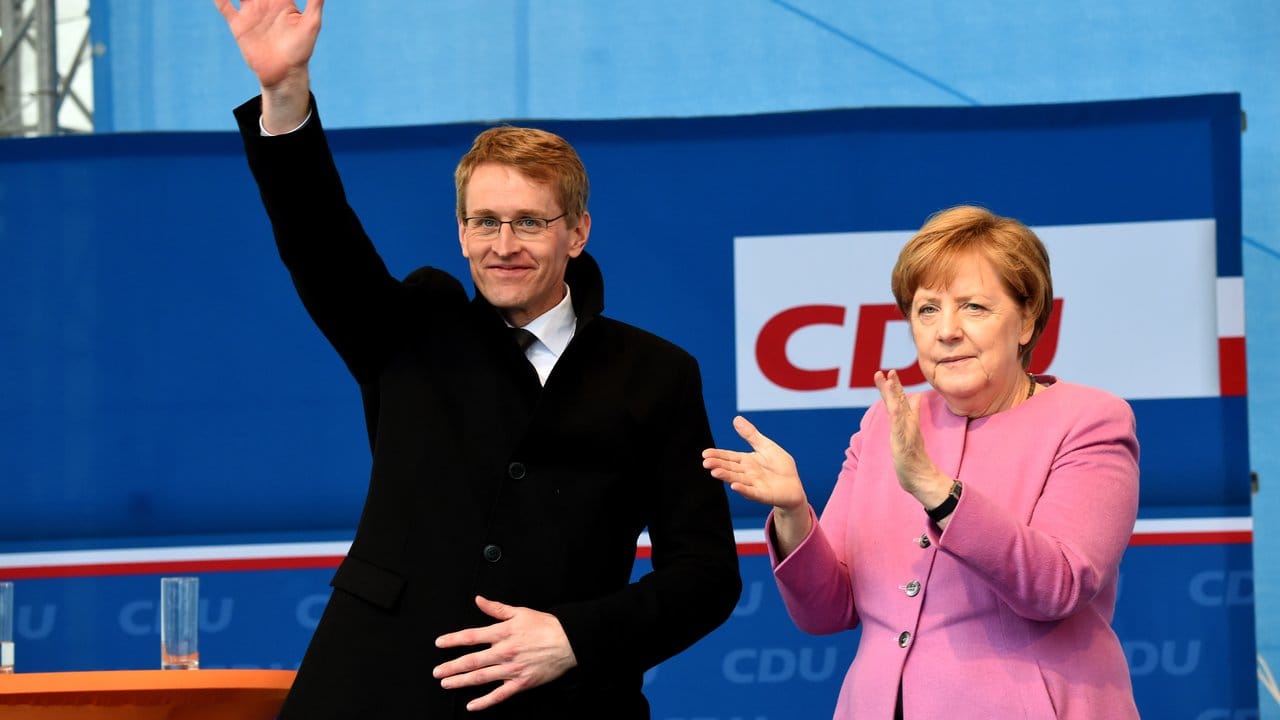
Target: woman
{"points": [[975, 530]]}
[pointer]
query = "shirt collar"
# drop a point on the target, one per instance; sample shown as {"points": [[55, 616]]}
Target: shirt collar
{"points": [[554, 328]]}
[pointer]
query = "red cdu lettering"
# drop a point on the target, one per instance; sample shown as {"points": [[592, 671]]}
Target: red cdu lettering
{"points": [[868, 347], [1047, 347], [771, 347]]}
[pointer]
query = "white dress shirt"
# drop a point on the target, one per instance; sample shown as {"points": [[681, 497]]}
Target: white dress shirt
{"points": [[553, 330]]}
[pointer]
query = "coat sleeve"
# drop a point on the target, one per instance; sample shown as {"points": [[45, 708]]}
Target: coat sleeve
{"points": [[338, 274], [695, 583], [1048, 567]]}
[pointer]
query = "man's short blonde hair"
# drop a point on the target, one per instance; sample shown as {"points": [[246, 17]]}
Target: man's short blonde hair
{"points": [[540, 155]]}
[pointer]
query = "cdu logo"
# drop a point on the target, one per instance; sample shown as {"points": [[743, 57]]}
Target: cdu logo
{"points": [[749, 603], [29, 626], [865, 357], [1219, 588], [815, 318], [309, 610], [142, 617], [1169, 657], [775, 665]]}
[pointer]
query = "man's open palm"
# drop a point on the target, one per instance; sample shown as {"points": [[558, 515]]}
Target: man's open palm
{"points": [[274, 37]]}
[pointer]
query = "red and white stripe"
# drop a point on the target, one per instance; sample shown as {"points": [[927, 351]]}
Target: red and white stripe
{"points": [[309, 555], [1231, 349]]}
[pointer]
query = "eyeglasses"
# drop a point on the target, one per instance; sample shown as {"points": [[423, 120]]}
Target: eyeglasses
{"points": [[526, 228]]}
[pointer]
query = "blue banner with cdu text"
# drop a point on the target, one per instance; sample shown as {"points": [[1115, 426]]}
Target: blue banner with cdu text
{"points": [[168, 408]]}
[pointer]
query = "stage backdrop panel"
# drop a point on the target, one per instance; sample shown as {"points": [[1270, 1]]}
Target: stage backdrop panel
{"points": [[162, 387]]}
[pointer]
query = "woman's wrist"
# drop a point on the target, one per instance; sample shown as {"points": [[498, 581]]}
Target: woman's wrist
{"points": [[792, 511], [936, 491], [790, 527]]}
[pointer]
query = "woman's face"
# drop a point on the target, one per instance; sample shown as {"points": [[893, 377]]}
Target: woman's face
{"points": [[967, 337]]}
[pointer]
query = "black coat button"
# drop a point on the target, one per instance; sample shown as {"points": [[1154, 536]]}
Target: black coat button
{"points": [[516, 471], [492, 553]]}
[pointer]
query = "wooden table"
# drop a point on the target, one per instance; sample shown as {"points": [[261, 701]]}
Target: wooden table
{"points": [[145, 695]]}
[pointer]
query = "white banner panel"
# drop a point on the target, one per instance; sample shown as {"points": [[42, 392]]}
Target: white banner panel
{"points": [[814, 314]]}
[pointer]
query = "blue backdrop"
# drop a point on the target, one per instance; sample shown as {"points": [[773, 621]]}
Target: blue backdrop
{"points": [[161, 380]]}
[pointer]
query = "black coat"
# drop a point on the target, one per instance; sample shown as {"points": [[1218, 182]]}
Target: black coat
{"points": [[486, 483]]}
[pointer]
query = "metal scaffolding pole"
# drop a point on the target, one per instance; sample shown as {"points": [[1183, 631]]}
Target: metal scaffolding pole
{"points": [[11, 33], [46, 68], [31, 83]]}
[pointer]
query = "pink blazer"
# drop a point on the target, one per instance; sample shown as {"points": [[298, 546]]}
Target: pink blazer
{"points": [[1006, 614]]}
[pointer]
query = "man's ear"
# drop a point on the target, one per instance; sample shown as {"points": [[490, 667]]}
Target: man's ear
{"points": [[579, 234]]}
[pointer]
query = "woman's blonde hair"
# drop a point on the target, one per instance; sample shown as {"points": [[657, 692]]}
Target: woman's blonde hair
{"points": [[931, 259]]}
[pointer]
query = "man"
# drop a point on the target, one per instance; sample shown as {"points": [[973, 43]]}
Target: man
{"points": [[490, 572]]}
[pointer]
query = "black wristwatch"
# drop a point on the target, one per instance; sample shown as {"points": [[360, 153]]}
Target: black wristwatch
{"points": [[948, 506]]}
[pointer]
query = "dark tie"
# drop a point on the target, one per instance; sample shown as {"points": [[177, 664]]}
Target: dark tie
{"points": [[523, 338]]}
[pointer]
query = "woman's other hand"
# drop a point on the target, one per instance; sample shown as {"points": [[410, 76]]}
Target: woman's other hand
{"points": [[766, 475], [916, 471]]}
